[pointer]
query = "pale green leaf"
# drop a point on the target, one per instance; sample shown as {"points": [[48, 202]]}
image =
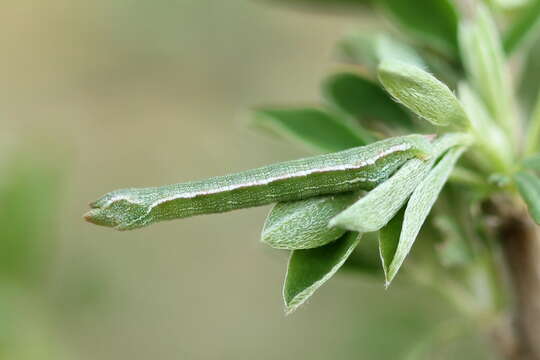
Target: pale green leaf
{"points": [[422, 93], [524, 28], [419, 207], [374, 210], [484, 60], [309, 269], [529, 188], [363, 100], [319, 129], [379, 206], [304, 224], [434, 22]]}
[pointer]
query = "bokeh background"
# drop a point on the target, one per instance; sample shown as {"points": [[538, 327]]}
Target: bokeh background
{"points": [[104, 94]]}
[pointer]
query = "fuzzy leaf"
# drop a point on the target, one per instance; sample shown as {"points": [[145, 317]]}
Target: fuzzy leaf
{"points": [[418, 208], [309, 269], [422, 93], [319, 129], [524, 28], [529, 188], [360, 168], [304, 224], [377, 208], [433, 21], [363, 100]]}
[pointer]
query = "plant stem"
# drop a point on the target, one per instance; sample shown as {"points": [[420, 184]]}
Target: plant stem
{"points": [[520, 239]]}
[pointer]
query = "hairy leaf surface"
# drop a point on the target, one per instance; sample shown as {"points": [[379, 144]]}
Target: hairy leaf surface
{"points": [[418, 208], [377, 208], [304, 224], [422, 93]]}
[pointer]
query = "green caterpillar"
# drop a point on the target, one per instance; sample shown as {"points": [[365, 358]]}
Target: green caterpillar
{"points": [[360, 168]]}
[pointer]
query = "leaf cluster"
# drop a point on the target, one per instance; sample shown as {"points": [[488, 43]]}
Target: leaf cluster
{"points": [[371, 176]]}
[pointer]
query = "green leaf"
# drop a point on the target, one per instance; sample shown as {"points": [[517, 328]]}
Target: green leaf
{"points": [[304, 224], [484, 60], [355, 169], [532, 162], [364, 100], [319, 129], [380, 205], [309, 269], [422, 93], [389, 240], [529, 188], [523, 29], [418, 208], [434, 22]]}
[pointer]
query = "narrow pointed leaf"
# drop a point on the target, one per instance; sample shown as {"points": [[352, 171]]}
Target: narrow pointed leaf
{"points": [[422, 93], [355, 169], [419, 206], [318, 129], [484, 60], [304, 224], [309, 269], [529, 188], [432, 21], [524, 28], [377, 208], [364, 100]]}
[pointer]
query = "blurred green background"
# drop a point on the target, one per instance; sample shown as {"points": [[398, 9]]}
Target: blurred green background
{"points": [[102, 95]]}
